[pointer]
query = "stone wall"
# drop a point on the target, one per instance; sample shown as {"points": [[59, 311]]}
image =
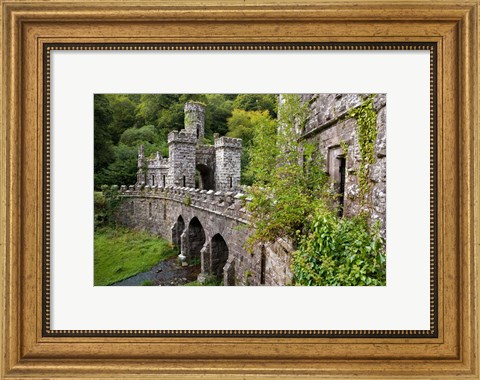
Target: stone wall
{"points": [[176, 213], [333, 131]]}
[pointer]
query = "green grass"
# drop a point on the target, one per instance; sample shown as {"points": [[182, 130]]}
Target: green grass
{"points": [[209, 281], [121, 253]]}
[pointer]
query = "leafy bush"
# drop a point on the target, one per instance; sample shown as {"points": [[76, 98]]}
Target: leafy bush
{"points": [[340, 251], [105, 204], [137, 136]]}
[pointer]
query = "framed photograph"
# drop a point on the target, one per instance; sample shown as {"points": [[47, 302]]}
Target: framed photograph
{"points": [[256, 189]]}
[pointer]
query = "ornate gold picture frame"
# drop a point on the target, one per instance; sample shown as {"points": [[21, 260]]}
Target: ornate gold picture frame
{"points": [[32, 29]]}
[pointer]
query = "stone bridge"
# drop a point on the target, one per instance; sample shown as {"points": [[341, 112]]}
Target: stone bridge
{"points": [[209, 227]]}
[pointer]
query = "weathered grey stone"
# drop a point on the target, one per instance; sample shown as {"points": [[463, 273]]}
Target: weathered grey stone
{"points": [[208, 220]]}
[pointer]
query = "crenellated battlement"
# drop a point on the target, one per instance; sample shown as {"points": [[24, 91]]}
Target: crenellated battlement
{"points": [[229, 204], [181, 137], [228, 142], [158, 162]]}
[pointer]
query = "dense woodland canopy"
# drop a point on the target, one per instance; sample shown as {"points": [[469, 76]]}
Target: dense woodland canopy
{"points": [[124, 121]]}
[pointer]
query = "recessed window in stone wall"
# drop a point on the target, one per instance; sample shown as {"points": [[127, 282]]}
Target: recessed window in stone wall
{"points": [[336, 167]]}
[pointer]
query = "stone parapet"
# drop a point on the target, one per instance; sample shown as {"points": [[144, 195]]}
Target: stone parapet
{"points": [[228, 204], [183, 136], [228, 142]]}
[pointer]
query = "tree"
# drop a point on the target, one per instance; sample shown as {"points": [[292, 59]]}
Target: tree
{"points": [[137, 136], [289, 183], [102, 146], [219, 109], [242, 125], [257, 102], [123, 115]]}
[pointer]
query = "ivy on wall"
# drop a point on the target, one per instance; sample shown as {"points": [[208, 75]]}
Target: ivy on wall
{"points": [[366, 118]]}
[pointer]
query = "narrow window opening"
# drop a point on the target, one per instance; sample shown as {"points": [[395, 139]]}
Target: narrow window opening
{"points": [[153, 180], [341, 187], [184, 182], [263, 260], [231, 182], [198, 133], [164, 181], [164, 211]]}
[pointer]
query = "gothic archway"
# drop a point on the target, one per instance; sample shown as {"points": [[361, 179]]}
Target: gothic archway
{"points": [[219, 255], [196, 239], [177, 231], [204, 178]]}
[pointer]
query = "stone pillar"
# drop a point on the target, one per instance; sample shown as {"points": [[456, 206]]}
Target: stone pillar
{"points": [[195, 119], [205, 254], [229, 273], [228, 151], [184, 245]]}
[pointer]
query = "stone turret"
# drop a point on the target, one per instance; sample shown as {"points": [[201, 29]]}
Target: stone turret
{"points": [[182, 151], [227, 163], [195, 119], [191, 163]]}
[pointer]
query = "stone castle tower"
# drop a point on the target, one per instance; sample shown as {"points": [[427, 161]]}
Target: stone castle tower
{"points": [[191, 162]]}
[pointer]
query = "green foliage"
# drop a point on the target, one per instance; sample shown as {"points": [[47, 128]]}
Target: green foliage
{"points": [[102, 147], [136, 136], [257, 102], [121, 253], [105, 206], [188, 200], [291, 199], [289, 181], [194, 261], [344, 146], [209, 281], [242, 125], [122, 170], [219, 109], [367, 134], [123, 114], [147, 283], [248, 275], [336, 251]]}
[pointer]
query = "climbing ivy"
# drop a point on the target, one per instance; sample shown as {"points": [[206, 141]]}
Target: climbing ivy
{"points": [[366, 118]]}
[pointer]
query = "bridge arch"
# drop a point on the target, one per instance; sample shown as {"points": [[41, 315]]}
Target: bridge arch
{"points": [[219, 255], [193, 239], [177, 230]]}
